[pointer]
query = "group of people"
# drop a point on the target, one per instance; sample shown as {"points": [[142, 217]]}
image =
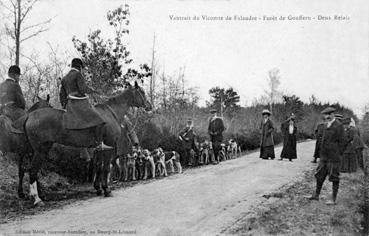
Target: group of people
{"points": [[289, 133], [338, 145], [352, 157], [189, 140], [73, 97]]}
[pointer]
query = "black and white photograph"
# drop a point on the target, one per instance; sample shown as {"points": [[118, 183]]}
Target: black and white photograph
{"points": [[184, 117]]}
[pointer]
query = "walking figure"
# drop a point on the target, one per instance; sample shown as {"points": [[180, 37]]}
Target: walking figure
{"points": [[266, 140]]}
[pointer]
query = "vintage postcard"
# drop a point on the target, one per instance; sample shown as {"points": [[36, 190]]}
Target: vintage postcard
{"points": [[184, 117]]}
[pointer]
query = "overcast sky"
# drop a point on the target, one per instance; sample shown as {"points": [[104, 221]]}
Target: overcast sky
{"points": [[326, 58]]}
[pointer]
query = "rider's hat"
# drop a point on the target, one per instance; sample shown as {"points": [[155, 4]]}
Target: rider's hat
{"points": [[14, 69], [77, 63]]}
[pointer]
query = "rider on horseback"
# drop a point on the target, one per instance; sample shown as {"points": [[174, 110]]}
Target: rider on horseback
{"points": [[80, 113], [12, 103]]}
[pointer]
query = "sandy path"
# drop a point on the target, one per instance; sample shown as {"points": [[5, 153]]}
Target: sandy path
{"points": [[202, 201]]}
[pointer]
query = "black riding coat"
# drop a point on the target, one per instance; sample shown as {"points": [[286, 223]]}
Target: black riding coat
{"points": [[10, 91], [73, 84]]}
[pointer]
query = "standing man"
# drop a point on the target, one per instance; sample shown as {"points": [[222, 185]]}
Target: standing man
{"points": [[331, 149], [215, 130], [266, 140], [188, 138], [80, 113], [12, 103]]}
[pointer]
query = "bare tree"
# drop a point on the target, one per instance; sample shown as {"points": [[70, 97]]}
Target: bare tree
{"points": [[273, 93], [15, 23]]}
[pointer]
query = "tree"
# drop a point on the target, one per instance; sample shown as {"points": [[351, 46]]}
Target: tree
{"points": [[224, 98], [105, 59], [273, 93], [15, 26], [293, 104]]}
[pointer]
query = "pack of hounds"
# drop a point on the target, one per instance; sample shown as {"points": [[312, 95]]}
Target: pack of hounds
{"points": [[142, 164]]}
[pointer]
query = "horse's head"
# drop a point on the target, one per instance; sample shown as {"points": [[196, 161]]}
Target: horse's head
{"points": [[41, 103], [139, 98]]}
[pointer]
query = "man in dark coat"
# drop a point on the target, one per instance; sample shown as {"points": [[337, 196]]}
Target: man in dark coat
{"points": [[215, 130], [188, 138], [12, 103], [289, 133], [80, 113], [331, 150], [266, 139]]}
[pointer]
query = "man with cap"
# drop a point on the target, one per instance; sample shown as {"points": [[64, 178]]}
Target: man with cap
{"points": [[266, 140], [12, 103], [80, 113], [188, 138], [319, 133], [331, 149], [215, 130]]}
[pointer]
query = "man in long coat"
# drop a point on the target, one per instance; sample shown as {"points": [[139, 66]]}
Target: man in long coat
{"points": [[188, 138], [12, 102], [331, 150], [215, 130], [266, 139], [80, 113]]}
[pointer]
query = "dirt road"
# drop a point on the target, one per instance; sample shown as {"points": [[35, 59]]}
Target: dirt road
{"points": [[202, 201]]}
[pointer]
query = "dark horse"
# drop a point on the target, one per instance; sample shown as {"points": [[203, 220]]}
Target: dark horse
{"points": [[44, 128], [13, 141]]}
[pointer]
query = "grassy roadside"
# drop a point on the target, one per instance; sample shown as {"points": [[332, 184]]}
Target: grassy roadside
{"points": [[288, 212]]}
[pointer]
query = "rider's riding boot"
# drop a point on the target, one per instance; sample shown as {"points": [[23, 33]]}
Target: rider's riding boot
{"points": [[103, 146], [99, 136]]}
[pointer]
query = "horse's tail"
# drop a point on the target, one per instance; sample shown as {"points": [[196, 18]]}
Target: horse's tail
{"points": [[27, 142]]}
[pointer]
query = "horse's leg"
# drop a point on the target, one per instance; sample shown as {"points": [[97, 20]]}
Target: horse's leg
{"points": [[97, 174], [35, 167], [20, 176], [106, 172], [115, 169]]}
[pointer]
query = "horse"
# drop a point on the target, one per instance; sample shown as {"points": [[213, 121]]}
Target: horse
{"points": [[13, 141], [44, 128]]}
